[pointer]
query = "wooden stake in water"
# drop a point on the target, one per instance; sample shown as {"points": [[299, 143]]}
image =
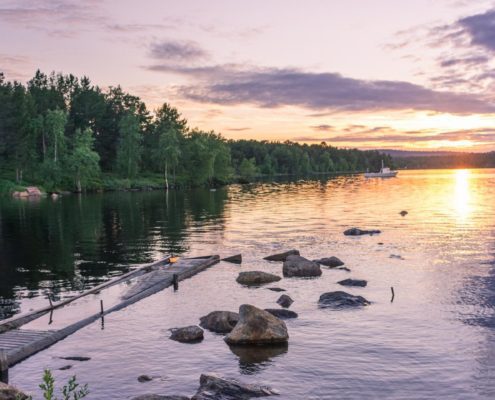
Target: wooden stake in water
{"points": [[4, 367], [50, 300], [102, 315], [393, 294], [175, 281]]}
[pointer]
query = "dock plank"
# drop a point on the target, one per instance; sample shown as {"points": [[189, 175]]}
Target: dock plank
{"points": [[19, 344]]}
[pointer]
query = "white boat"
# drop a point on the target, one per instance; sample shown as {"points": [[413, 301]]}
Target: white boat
{"points": [[384, 173]]}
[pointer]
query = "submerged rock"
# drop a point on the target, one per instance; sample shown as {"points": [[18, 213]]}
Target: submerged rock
{"points": [[76, 358], [282, 313], [257, 326], [236, 259], [8, 392], [276, 289], [65, 368], [219, 321], [282, 256], [213, 387], [144, 378], [341, 300], [331, 262], [403, 213], [285, 301], [300, 267], [353, 282], [343, 269], [255, 278], [187, 334], [359, 232]]}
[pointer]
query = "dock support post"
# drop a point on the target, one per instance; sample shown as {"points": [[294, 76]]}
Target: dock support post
{"points": [[4, 367], [175, 281], [102, 316]]}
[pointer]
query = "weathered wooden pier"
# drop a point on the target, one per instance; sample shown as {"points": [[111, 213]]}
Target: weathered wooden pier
{"points": [[17, 344]]}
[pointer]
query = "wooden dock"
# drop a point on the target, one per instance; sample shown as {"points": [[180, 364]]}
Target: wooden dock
{"points": [[17, 344]]}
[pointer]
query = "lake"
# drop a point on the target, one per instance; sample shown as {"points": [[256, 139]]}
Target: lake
{"points": [[435, 340]]}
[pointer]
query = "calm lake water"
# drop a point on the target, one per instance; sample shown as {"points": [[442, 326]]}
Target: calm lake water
{"points": [[436, 340]]}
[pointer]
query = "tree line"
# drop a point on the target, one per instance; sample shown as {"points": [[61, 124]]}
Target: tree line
{"points": [[446, 161], [64, 132]]}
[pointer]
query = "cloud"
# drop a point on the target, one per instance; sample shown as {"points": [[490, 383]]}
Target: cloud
{"points": [[388, 134], [272, 87], [177, 51], [238, 129], [480, 28], [60, 17], [15, 66], [468, 61], [322, 127]]}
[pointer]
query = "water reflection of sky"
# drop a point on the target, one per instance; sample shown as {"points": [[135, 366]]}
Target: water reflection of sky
{"points": [[435, 340]]}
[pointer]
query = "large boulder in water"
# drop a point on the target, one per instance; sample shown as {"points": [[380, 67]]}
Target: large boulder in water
{"points": [[257, 326], [341, 300], [256, 278], [219, 321], [359, 232], [301, 267], [353, 282], [282, 256], [188, 334], [332, 262], [213, 387], [282, 313]]}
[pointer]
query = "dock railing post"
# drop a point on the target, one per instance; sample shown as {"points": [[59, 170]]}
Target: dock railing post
{"points": [[4, 367]]}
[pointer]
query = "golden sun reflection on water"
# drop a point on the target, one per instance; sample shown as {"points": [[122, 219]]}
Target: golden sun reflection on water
{"points": [[462, 193]]}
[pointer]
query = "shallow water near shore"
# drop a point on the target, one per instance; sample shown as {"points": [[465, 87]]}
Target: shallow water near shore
{"points": [[435, 340]]}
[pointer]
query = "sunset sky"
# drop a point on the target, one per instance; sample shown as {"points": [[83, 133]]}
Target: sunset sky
{"points": [[382, 74]]}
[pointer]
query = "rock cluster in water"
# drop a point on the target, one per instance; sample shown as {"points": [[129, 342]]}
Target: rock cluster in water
{"points": [[331, 262], [215, 387], [256, 278], [187, 334], [341, 300], [353, 282], [297, 266], [219, 321], [282, 256]]}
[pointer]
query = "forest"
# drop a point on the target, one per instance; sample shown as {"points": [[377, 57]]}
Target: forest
{"points": [[63, 133]]}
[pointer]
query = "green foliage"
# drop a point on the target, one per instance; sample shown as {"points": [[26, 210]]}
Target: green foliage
{"points": [[129, 148], [83, 160], [71, 391], [62, 132], [247, 169]]}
